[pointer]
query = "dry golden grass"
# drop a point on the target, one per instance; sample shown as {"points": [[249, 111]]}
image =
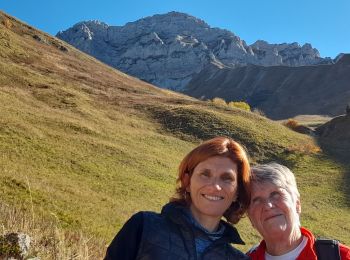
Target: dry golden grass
{"points": [[48, 239]]}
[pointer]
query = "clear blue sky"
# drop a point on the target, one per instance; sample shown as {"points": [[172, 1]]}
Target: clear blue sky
{"points": [[323, 23]]}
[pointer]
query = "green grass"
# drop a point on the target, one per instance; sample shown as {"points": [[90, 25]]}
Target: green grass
{"points": [[89, 146]]}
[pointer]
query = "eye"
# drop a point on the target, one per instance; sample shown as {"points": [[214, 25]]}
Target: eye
{"points": [[228, 179], [205, 174], [275, 195], [256, 201]]}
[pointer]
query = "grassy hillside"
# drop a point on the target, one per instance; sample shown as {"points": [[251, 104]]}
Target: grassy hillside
{"points": [[83, 147]]}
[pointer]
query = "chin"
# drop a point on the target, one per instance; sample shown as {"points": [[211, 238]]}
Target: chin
{"points": [[213, 213]]}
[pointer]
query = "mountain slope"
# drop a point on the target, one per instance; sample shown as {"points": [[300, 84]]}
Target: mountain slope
{"points": [[88, 146], [279, 91], [335, 136]]}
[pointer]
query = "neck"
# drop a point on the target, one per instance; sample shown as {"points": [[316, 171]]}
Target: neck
{"points": [[210, 223], [280, 245]]}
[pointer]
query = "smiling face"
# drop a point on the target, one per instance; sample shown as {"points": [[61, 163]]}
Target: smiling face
{"points": [[273, 211], [212, 187]]}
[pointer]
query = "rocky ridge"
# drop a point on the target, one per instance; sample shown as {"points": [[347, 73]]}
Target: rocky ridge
{"points": [[168, 50]]}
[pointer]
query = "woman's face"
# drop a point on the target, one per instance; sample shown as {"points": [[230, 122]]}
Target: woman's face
{"points": [[212, 187], [273, 211]]}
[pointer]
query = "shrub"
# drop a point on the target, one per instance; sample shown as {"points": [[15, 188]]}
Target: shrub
{"points": [[295, 126], [7, 23], [239, 104], [259, 112], [292, 124], [219, 101]]}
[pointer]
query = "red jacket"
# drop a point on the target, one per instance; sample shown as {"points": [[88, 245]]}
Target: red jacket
{"points": [[308, 252]]}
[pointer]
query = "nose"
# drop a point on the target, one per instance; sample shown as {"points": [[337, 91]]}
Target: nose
{"points": [[216, 184], [268, 204]]}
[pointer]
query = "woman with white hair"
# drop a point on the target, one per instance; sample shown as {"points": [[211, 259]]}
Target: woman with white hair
{"points": [[274, 212]]}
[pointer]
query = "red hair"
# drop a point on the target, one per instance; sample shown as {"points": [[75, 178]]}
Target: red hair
{"points": [[218, 146]]}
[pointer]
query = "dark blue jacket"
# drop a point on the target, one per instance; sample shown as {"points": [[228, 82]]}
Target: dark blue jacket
{"points": [[169, 236]]}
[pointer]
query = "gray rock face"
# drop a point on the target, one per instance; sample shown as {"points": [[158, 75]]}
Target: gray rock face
{"points": [[168, 50], [286, 54], [14, 246]]}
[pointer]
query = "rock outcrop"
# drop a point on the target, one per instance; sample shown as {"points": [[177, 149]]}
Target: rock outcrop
{"points": [[14, 246], [168, 50]]}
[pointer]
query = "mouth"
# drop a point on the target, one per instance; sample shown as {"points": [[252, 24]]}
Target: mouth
{"points": [[212, 198], [273, 216]]}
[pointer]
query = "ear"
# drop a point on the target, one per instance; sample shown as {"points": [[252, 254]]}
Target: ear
{"points": [[298, 206], [186, 181]]}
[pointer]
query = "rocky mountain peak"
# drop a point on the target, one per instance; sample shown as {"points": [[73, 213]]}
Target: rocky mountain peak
{"points": [[173, 18], [169, 49], [84, 31]]}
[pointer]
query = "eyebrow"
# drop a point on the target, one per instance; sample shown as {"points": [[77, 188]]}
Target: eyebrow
{"points": [[231, 174], [255, 198]]}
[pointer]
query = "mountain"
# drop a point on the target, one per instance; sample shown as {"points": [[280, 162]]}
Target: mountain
{"points": [[84, 146], [279, 91], [168, 50]]}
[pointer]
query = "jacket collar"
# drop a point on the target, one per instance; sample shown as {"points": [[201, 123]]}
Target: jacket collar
{"points": [[307, 253], [176, 212]]}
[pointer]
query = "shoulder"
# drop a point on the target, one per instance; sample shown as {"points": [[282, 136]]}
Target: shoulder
{"points": [[134, 222], [125, 244], [253, 249], [344, 252], [147, 221], [137, 217], [257, 251], [151, 218], [327, 246], [140, 217], [237, 254]]}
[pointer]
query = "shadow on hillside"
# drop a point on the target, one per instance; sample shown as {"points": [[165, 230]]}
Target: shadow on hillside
{"points": [[194, 124], [340, 154]]}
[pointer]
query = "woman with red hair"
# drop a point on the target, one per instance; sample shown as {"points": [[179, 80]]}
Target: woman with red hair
{"points": [[213, 182]]}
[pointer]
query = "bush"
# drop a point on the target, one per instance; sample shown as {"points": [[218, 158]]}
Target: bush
{"points": [[295, 126], [7, 23], [292, 124], [259, 112], [219, 101], [239, 104]]}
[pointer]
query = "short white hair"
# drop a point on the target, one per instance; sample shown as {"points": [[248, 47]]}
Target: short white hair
{"points": [[278, 175]]}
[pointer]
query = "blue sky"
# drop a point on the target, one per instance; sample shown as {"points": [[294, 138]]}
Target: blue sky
{"points": [[323, 23]]}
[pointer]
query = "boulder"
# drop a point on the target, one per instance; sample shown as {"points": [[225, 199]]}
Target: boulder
{"points": [[14, 246]]}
